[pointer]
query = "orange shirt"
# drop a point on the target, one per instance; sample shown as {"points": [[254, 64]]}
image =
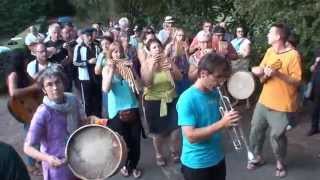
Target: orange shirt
{"points": [[277, 94]]}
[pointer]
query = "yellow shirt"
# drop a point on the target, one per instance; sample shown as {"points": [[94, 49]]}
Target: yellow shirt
{"points": [[163, 89], [276, 93]]}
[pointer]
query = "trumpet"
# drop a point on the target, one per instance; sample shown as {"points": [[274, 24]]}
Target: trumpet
{"points": [[235, 132]]}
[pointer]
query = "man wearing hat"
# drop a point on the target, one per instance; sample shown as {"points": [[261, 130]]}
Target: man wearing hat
{"points": [[164, 35], [32, 38], [84, 58]]}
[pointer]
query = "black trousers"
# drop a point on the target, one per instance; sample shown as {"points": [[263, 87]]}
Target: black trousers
{"points": [[316, 114], [217, 172], [131, 133], [91, 97]]}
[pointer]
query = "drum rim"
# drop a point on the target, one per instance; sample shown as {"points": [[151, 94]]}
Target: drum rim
{"points": [[88, 126], [243, 72]]}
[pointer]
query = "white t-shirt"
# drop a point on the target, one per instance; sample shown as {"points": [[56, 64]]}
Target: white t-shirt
{"points": [[32, 70], [163, 36]]}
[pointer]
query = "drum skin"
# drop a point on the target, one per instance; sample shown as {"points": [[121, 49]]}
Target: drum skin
{"points": [[95, 152], [241, 85]]}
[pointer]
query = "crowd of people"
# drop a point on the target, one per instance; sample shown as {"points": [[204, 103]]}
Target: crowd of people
{"points": [[81, 73]]}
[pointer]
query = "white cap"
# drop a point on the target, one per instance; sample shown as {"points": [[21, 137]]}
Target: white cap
{"points": [[169, 19]]}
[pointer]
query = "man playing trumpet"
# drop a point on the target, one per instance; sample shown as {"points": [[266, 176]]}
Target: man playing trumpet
{"points": [[280, 71], [199, 117]]}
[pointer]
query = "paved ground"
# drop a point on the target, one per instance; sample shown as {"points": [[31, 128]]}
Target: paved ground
{"points": [[301, 153]]}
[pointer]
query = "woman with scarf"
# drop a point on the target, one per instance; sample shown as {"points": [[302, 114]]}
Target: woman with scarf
{"points": [[159, 100], [56, 118]]}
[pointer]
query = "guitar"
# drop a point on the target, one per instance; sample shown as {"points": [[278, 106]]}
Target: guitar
{"points": [[276, 66], [23, 108]]}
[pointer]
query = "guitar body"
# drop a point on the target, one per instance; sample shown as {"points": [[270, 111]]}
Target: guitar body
{"points": [[23, 108]]}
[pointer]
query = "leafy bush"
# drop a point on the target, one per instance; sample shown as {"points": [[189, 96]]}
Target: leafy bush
{"points": [[17, 15]]}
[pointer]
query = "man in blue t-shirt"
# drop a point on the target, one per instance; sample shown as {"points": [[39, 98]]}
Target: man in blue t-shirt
{"points": [[198, 115]]}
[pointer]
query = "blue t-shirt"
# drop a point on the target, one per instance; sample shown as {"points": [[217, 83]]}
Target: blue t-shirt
{"points": [[120, 96], [200, 109]]}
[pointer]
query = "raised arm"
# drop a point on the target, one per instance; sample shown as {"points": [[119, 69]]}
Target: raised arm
{"points": [[13, 89], [107, 73]]}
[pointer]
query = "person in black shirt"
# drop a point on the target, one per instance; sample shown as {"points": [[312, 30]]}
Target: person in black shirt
{"points": [[56, 52], [59, 51], [11, 164]]}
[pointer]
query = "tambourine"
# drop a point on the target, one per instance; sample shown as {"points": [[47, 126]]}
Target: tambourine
{"points": [[241, 85]]}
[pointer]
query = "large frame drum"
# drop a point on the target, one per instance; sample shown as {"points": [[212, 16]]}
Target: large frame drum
{"points": [[95, 152]]}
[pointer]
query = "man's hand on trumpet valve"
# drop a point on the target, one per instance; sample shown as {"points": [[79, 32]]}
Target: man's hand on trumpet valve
{"points": [[230, 118]]}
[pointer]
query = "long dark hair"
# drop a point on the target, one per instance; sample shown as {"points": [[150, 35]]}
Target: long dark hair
{"points": [[17, 63]]}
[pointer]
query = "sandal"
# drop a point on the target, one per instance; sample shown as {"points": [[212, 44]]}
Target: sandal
{"points": [[136, 173], [252, 165], [124, 172], [175, 157], [160, 161], [281, 172]]}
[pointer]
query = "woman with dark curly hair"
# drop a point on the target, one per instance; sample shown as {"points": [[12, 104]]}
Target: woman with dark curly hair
{"points": [[159, 99]]}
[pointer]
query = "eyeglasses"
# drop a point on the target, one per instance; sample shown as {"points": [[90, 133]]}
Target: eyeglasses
{"points": [[149, 32], [239, 31], [219, 34]]}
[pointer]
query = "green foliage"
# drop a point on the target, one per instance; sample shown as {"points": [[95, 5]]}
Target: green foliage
{"points": [[17, 15], [189, 14], [302, 16]]}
